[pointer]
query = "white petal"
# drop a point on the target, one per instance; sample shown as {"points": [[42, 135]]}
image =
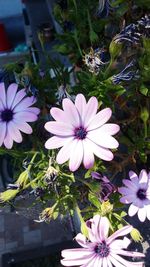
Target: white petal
{"points": [[143, 177], [90, 110], [71, 112], [56, 142], [120, 243], [80, 103], [11, 93], [64, 153], [102, 139], [76, 155], [88, 156], [121, 232], [99, 119], [132, 210], [125, 263], [142, 214], [59, 128], [109, 128], [59, 115], [81, 239], [148, 211], [100, 152]]}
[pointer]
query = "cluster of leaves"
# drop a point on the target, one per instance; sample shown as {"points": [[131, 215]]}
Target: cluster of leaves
{"points": [[82, 28]]}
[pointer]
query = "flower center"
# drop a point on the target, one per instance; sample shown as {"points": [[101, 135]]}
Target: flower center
{"points": [[102, 249], [80, 133], [7, 115], [141, 194]]}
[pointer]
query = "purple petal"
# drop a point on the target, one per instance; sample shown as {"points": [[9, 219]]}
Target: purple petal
{"points": [[71, 112], [23, 126], [127, 199], [8, 141], [99, 119], [64, 153], [11, 93], [24, 104], [33, 110], [14, 132], [126, 191], [121, 232], [80, 103], [19, 96], [1, 105], [25, 116], [59, 128], [56, 142], [102, 139], [88, 157], [76, 155], [131, 185], [3, 94], [100, 152], [2, 131], [133, 176], [90, 110]]}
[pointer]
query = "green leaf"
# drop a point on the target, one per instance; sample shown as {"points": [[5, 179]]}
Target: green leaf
{"points": [[144, 90], [94, 200]]}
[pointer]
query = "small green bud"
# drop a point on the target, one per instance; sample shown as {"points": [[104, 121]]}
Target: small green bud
{"points": [[136, 236], [144, 115], [106, 207], [114, 49]]}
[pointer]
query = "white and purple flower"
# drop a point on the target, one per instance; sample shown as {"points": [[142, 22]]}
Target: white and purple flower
{"points": [[81, 133], [137, 193], [15, 112], [100, 250]]}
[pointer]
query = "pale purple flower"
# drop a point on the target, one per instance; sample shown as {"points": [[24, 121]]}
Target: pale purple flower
{"points": [[137, 193], [100, 250], [81, 132], [106, 187], [15, 112]]}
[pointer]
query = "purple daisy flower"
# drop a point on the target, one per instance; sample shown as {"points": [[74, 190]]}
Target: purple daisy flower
{"points": [[101, 250], [15, 112], [137, 192], [81, 132], [107, 188]]}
